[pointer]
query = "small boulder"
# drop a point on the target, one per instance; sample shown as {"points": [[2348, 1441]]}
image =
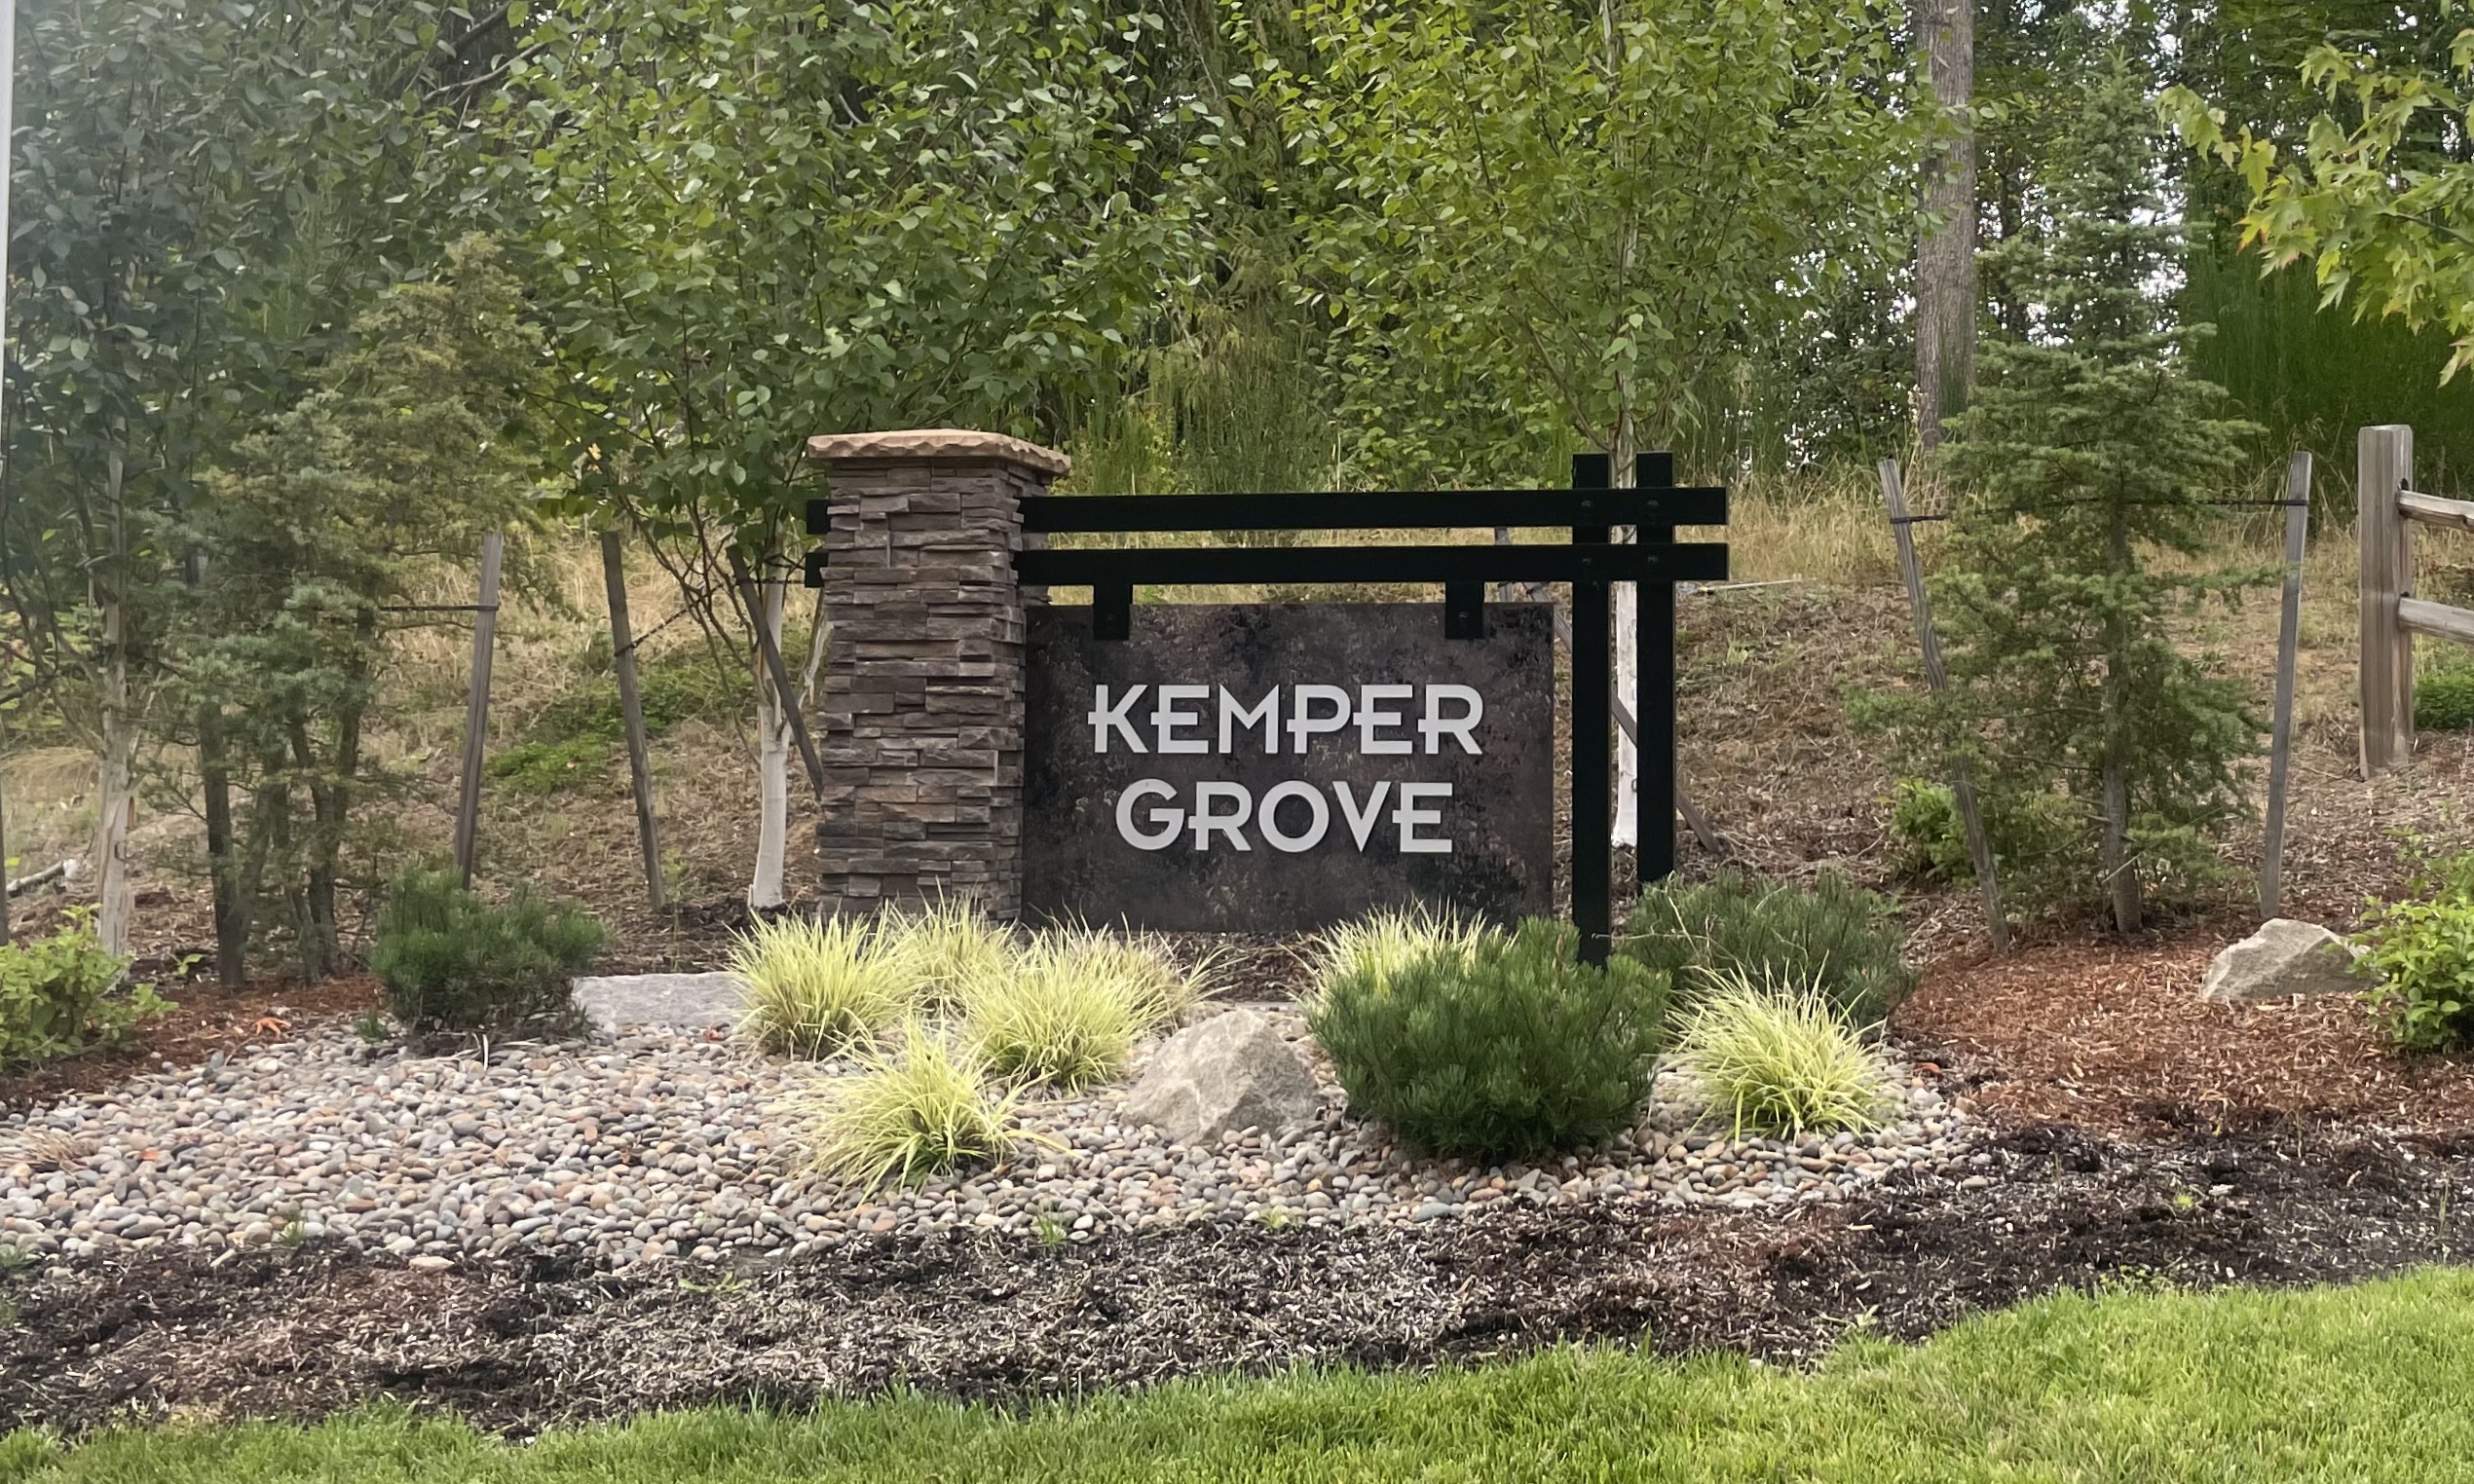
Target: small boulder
{"points": [[668, 1001], [2283, 957], [1231, 1071]]}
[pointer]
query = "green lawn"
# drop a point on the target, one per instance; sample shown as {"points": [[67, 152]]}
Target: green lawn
{"points": [[2358, 1383]]}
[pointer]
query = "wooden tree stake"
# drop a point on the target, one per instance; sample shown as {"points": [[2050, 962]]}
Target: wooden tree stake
{"points": [[623, 654], [2383, 466], [476, 715], [1894, 494], [2289, 633]]}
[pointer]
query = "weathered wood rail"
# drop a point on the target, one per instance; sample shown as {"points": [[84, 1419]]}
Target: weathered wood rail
{"points": [[2388, 509]]}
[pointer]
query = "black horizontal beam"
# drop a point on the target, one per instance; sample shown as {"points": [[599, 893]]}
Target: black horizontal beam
{"points": [[1678, 562], [1694, 506]]}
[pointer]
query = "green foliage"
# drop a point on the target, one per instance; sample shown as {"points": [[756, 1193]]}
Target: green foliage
{"points": [[1832, 935], [1534, 229], [1377, 945], [1066, 1012], [2037, 841], [318, 530], [2088, 449], [2443, 691], [63, 994], [2423, 946], [1507, 1047], [679, 687], [948, 943], [1773, 1055], [2379, 203], [817, 987], [452, 961], [920, 1110], [546, 767]]}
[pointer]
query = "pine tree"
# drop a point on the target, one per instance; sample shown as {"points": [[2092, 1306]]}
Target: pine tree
{"points": [[2089, 452]]}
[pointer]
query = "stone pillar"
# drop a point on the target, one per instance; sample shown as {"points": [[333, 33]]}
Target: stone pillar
{"points": [[921, 727]]}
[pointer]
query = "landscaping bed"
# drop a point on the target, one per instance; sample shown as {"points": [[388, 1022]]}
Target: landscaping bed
{"points": [[520, 1345]]}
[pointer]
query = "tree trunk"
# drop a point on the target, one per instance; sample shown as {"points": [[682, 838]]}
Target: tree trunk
{"points": [[2121, 878], [5, 871], [1945, 251], [116, 810], [231, 917], [773, 760]]}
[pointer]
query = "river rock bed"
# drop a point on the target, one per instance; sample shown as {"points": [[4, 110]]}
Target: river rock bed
{"points": [[665, 1145]]}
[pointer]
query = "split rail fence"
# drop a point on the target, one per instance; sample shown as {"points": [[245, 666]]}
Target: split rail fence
{"points": [[2389, 507]]}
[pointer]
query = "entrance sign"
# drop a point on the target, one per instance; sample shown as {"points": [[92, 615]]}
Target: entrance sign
{"points": [[1591, 510], [1283, 766]]}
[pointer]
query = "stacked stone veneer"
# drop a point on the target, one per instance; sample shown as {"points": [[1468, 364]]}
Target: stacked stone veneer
{"points": [[921, 727]]}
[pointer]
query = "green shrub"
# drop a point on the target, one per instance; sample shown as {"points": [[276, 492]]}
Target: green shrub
{"points": [[545, 768], [1067, 1011], [1504, 1047], [2422, 947], [451, 960], [1381, 942], [62, 994], [1773, 1057], [2037, 843], [2443, 692], [920, 1110], [816, 988], [1832, 935], [672, 689]]}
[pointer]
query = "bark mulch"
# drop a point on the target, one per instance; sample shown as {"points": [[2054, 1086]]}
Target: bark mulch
{"points": [[302, 1336], [2114, 1037]]}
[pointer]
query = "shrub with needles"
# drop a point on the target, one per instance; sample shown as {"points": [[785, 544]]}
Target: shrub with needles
{"points": [[920, 1109], [1067, 1010], [1774, 1057], [817, 988]]}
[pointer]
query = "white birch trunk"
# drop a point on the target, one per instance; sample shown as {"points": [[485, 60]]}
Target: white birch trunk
{"points": [[772, 762], [117, 801]]}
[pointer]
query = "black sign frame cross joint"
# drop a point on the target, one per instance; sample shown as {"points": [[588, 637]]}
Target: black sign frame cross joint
{"points": [[1593, 562]]}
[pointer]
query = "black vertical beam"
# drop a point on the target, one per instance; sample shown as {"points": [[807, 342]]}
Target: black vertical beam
{"points": [[1593, 736], [1654, 695]]}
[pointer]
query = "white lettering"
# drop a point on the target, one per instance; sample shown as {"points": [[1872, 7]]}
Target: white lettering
{"points": [[1265, 714], [1409, 817], [1436, 723], [1168, 715], [1361, 824], [1208, 822], [1369, 719], [1303, 723], [1171, 822], [1105, 715], [1267, 818]]}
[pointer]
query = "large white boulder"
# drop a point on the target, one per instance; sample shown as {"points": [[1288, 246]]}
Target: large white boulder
{"points": [[2283, 957], [617, 1002], [1231, 1071]]}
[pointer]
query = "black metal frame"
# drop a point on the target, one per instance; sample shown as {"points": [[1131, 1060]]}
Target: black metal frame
{"points": [[1591, 507]]}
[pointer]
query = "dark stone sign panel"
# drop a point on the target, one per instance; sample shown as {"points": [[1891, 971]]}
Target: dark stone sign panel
{"points": [[1280, 767]]}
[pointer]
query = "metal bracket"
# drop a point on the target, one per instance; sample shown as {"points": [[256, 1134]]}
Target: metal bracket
{"points": [[1112, 611], [1464, 611]]}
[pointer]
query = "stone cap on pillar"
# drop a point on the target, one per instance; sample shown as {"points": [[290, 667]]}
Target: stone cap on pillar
{"points": [[936, 445]]}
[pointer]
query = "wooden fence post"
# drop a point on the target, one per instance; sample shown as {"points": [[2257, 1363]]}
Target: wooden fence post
{"points": [[476, 713], [2383, 466], [2289, 630], [1894, 494], [622, 652]]}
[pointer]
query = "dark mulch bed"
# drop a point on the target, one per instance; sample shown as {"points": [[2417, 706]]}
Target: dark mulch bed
{"points": [[297, 1336], [2114, 1037], [204, 1020]]}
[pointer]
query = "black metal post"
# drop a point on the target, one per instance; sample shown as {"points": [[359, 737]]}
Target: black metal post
{"points": [[1654, 693], [1593, 737]]}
